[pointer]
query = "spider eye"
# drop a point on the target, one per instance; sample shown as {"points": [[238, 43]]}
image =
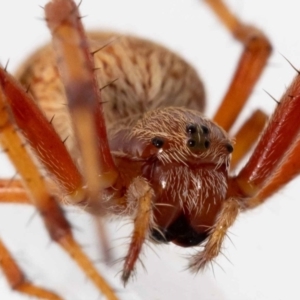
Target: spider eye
{"points": [[191, 128], [229, 148], [158, 142], [191, 143], [205, 130]]}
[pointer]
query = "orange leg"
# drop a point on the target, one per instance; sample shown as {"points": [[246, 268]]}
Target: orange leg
{"points": [[17, 279], [46, 204], [84, 98], [13, 192], [42, 137], [276, 149], [257, 50], [212, 247], [142, 223], [286, 172], [247, 135]]}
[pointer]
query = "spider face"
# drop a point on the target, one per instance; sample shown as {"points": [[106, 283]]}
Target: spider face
{"points": [[183, 156]]}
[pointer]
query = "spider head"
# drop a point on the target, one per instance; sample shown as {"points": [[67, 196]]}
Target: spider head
{"points": [[178, 135], [185, 158]]}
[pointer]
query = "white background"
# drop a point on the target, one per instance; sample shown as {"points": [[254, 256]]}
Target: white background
{"points": [[264, 252]]}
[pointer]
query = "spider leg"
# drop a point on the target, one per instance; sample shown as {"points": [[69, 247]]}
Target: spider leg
{"points": [[286, 172], [76, 68], [247, 135], [141, 193], [212, 247], [276, 153], [13, 192], [42, 138], [46, 204], [257, 50], [17, 279]]}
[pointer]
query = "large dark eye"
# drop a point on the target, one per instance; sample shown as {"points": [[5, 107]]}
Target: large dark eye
{"points": [[191, 128], [158, 142], [229, 148]]}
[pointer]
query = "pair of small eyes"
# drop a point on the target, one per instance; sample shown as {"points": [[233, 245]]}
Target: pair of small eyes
{"points": [[191, 130]]}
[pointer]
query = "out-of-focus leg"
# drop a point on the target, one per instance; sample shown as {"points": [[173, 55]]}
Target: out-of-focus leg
{"points": [[54, 220], [17, 279], [257, 50], [76, 69], [247, 136]]}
